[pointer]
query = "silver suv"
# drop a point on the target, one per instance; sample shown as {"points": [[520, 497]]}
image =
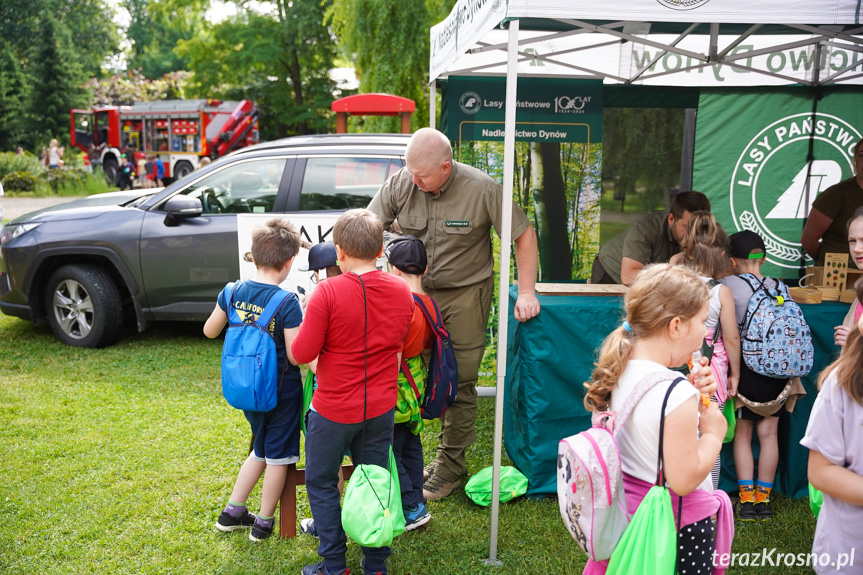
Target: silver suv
{"points": [[166, 255]]}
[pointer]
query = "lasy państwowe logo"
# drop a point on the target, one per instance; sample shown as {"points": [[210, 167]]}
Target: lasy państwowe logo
{"points": [[769, 192]]}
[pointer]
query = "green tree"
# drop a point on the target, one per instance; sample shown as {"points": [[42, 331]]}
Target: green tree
{"points": [[642, 151], [89, 25], [156, 28], [368, 29], [13, 93], [282, 61], [57, 83]]}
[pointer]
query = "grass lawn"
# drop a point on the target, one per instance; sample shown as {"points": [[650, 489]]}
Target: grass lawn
{"points": [[120, 460]]}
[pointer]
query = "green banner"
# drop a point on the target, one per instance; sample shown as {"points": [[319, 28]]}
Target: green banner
{"points": [[752, 160], [547, 110]]}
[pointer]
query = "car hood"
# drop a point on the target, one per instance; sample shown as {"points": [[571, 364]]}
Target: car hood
{"points": [[84, 208]]}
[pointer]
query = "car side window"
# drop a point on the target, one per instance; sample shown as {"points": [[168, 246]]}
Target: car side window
{"points": [[246, 187], [333, 183]]}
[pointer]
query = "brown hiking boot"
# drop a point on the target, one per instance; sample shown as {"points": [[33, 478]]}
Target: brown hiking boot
{"points": [[428, 470], [436, 487]]}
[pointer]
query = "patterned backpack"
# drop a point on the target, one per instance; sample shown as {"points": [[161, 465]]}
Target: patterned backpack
{"points": [[589, 480], [775, 339]]}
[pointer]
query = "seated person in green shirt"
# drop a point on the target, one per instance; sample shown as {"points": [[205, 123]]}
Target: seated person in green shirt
{"points": [[652, 238]]}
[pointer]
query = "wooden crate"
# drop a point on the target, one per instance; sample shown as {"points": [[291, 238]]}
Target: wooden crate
{"points": [[848, 296], [580, 289], [805, 295]]}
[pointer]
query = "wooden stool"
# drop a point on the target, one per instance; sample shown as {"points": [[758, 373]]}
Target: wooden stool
{"points": [[288, 500]]}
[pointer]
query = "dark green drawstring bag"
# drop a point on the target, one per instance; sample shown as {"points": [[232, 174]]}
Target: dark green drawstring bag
{"points": [[512, 484]]}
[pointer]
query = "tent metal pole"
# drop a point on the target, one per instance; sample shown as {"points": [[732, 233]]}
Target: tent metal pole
{"points": [[432, 103], [503, 284]]}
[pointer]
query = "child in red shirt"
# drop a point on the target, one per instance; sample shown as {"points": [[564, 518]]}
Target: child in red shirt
{"points": [[408, 260], [355, 324]]}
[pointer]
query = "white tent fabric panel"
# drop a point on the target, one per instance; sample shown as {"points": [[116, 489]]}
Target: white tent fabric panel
{"points": [[763, 11], [801, 33], [603, 56]]}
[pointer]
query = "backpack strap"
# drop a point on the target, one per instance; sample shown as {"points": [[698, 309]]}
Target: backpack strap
{"points": [[436, 324], [233, 317], [272, 308], [615, 420], [409, 376], [660, 479]]}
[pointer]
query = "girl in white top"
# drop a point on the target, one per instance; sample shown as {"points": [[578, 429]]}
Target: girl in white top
{"points": [[704, 245], [836, 458], [666, 309]]}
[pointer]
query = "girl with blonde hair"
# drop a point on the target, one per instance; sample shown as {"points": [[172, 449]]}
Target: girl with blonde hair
{"points": [[704, 251], [666, 309]]}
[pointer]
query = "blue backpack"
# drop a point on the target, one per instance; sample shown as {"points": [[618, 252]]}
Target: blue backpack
{"points": [[250, 373], [442, 378], [775, 339]]}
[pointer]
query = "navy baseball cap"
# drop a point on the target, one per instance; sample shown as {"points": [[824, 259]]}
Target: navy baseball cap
{"points": [[321, 256], [408, 254]]}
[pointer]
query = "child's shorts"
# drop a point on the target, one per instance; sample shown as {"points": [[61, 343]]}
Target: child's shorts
{"points": [[757, 388], [277, 432]]}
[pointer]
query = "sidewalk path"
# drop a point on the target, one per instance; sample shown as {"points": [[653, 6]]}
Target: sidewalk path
{"points": [[14, 207]]}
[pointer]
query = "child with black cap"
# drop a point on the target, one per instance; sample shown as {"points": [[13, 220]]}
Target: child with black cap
{"points": [[747, 254], [408, 260]]}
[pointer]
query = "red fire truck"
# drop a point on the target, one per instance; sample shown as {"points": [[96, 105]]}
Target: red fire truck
{"points": [[180, 132]]}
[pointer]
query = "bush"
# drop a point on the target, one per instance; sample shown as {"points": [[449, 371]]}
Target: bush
{"points": [[20, 182], [65, 178], [12, 162]]}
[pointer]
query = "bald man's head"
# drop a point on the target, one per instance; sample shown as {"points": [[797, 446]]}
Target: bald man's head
{"points": [[429, 159]]}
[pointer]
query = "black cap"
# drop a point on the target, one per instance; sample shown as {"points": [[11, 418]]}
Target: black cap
{"points": [[742, 244], [321, 256], [408, 254]]}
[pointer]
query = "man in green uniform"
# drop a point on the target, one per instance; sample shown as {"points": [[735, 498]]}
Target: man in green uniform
{"points": [[452, 207], [652, 238]]}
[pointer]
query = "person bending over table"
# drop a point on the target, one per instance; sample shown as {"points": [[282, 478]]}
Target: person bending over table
{"points": [[652, 238], [828, 218], [452, 207]]}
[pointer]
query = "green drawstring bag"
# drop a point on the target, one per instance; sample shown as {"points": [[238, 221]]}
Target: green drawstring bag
{"points": [[513, 484], [372, 510], [649, 543], [728, 412], [308, 392], [816, 500]]}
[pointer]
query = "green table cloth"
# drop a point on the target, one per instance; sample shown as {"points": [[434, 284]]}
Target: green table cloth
{"points": [[550, 357]]}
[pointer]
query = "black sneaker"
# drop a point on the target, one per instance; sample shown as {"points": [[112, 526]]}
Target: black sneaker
{"points": [[260, 532], [764, 510], [321, 569], [228, 523], [746, 511]]}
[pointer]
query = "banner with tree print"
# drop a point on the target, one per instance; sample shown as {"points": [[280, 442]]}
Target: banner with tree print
{"points": [[558, 158]]}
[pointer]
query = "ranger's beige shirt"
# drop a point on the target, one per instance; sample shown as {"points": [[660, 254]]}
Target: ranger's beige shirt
{"points": [[453, 225]]}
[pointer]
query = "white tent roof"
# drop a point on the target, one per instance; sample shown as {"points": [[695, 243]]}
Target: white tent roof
{"points": [[658, 42]]}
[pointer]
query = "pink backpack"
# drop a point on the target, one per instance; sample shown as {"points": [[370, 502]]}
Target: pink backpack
{"points": [[589, 480]]}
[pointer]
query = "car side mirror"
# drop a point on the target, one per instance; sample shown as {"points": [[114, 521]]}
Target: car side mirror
{"points": [[180, 208]]}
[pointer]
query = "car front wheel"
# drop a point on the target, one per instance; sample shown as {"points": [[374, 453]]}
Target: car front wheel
{"points": [[83, 306]]}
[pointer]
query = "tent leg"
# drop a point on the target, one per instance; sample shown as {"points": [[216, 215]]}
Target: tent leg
{"points": [[503, 287]]}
